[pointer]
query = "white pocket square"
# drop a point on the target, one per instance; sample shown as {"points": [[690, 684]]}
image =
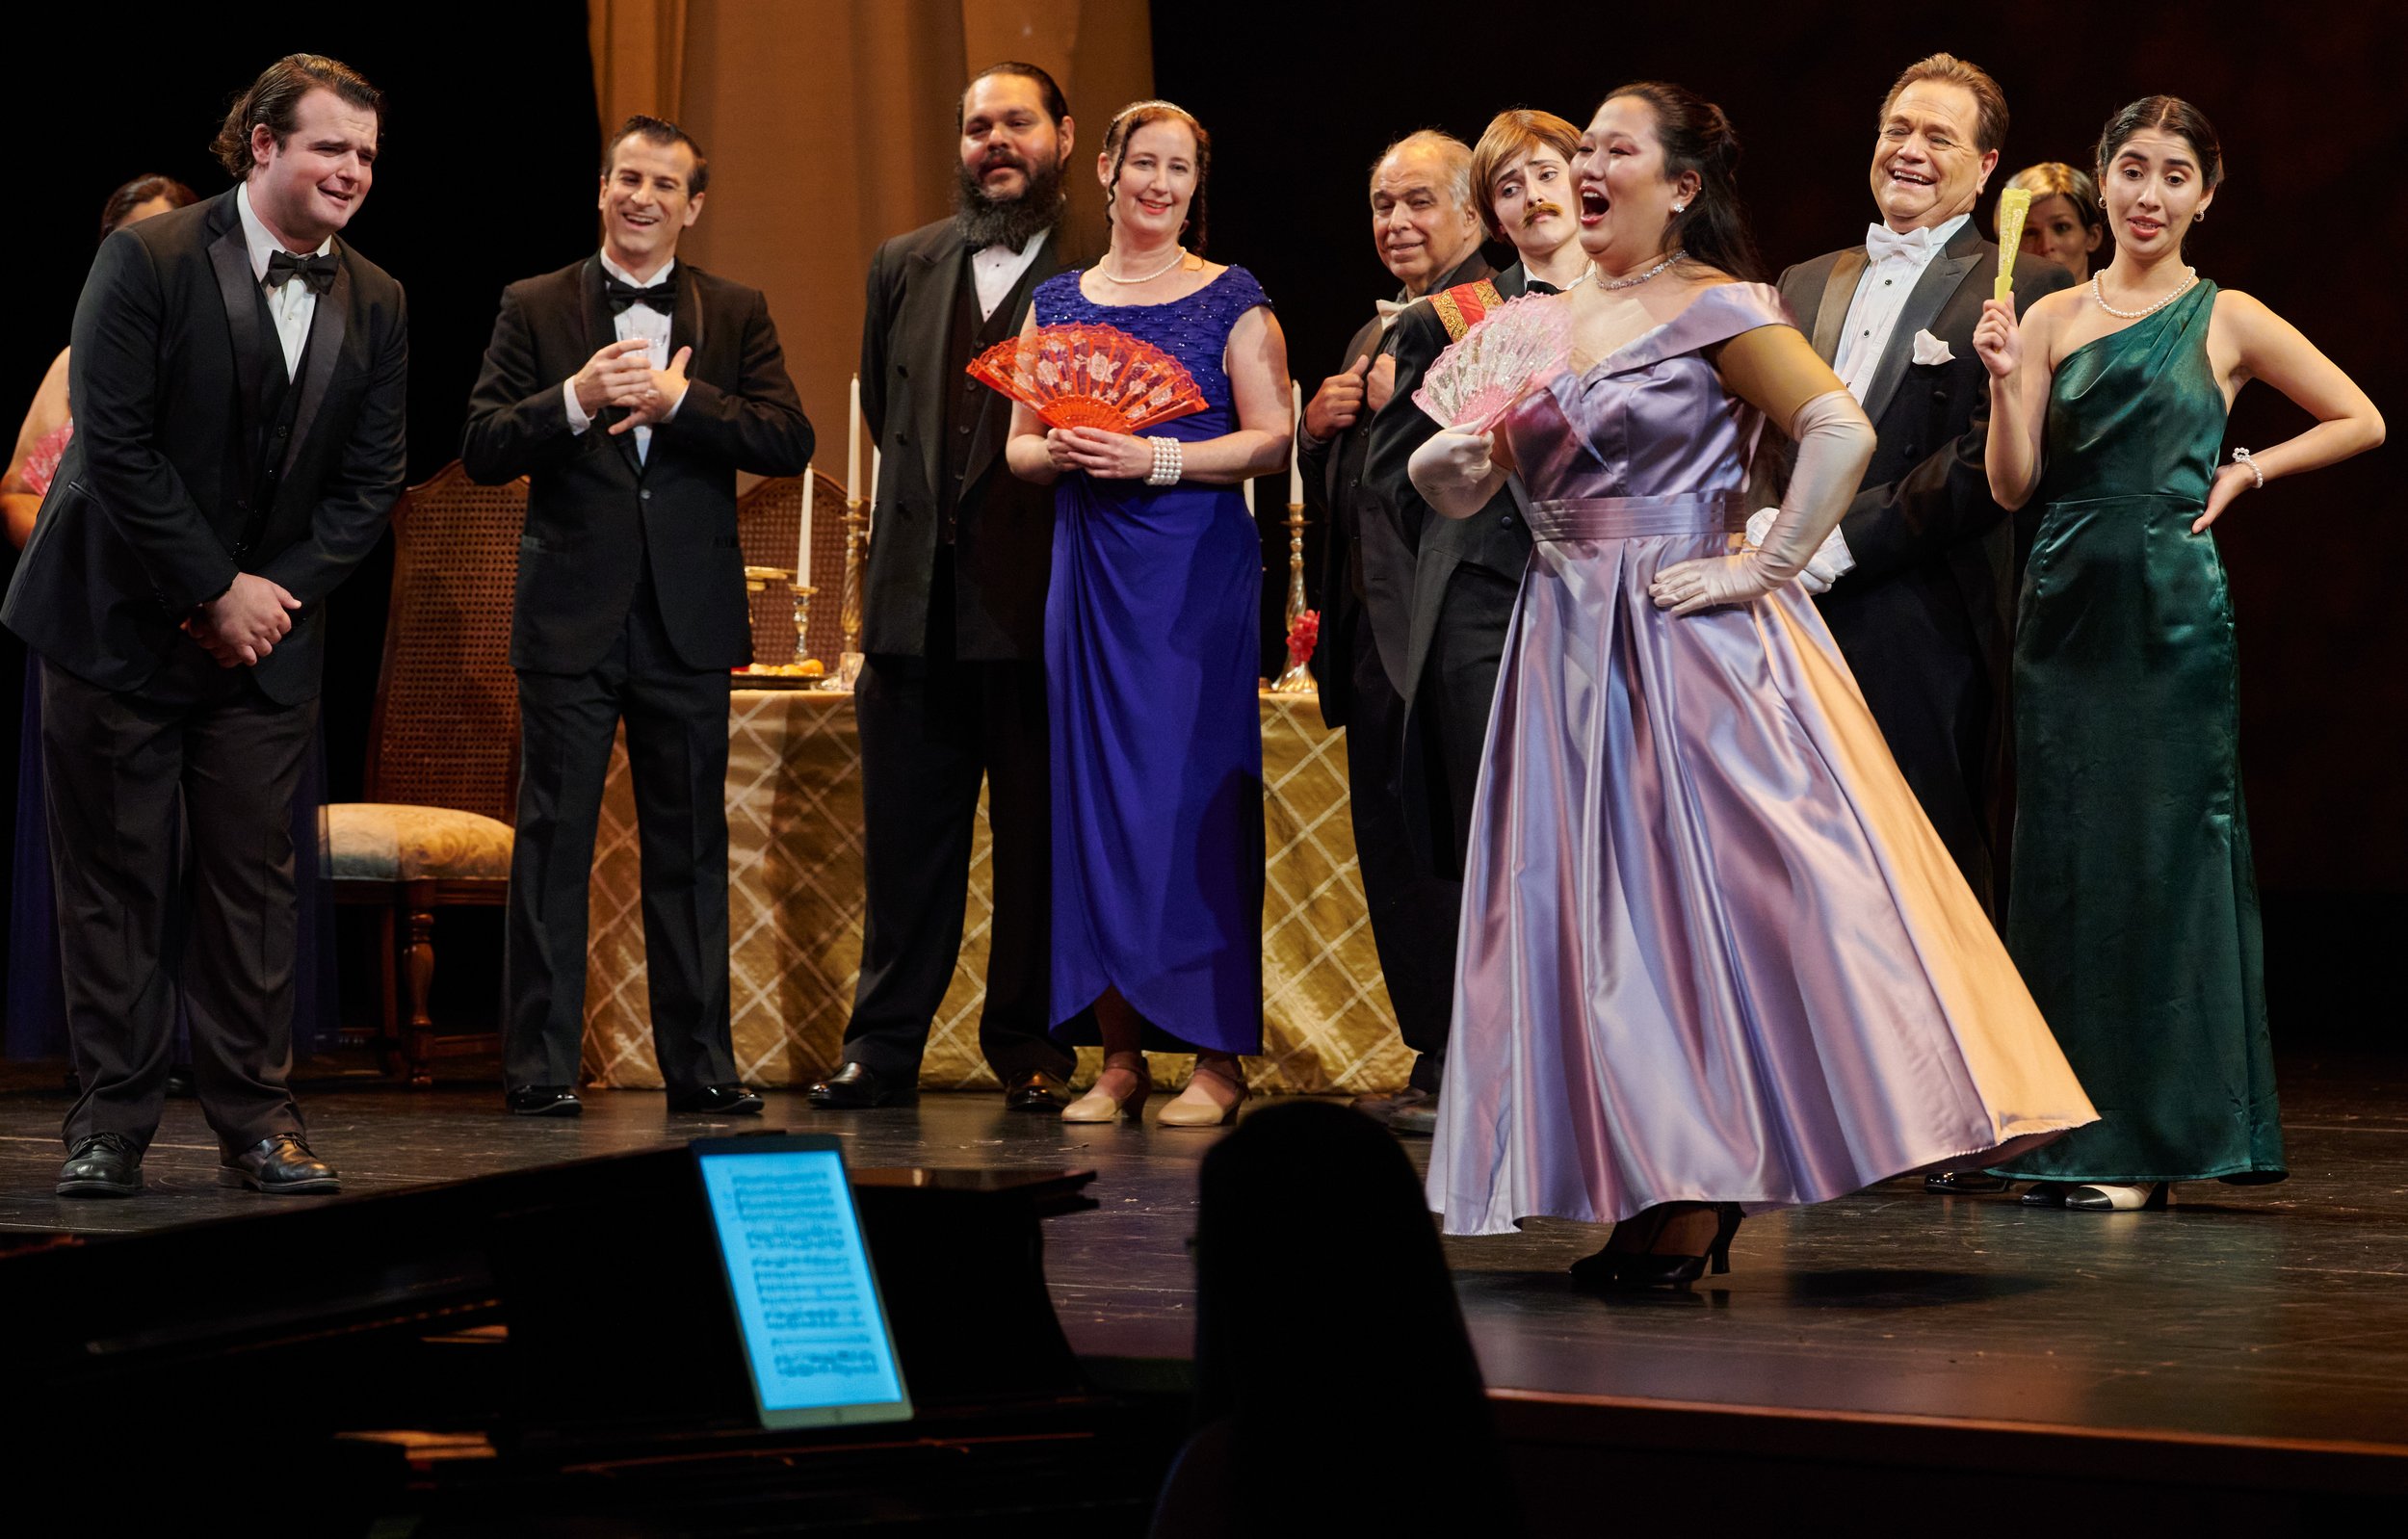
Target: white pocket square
{"points": [[1929, 349]]}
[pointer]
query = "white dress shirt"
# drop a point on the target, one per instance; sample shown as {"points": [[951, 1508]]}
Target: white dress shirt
{"points": [[1896, 263], [635, 321], [292, 303], [997, 268]]}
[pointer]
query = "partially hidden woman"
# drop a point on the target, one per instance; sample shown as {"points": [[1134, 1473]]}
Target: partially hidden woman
{"points": [[1151, 653], [2065, 224], [37, 1005], [2134, 909], [1714, 960]]}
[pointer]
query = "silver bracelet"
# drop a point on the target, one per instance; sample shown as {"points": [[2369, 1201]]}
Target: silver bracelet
{"points": [[2240, 456], [1167, 462]]}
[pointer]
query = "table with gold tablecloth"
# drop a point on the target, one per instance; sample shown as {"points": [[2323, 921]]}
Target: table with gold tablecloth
{"points": [[794, 910]]}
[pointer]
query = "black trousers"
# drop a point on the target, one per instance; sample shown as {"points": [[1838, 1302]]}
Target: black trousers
{"points": [[203, 763], [933, 729], [1412, 911], [677, 720], [1459, 688]]}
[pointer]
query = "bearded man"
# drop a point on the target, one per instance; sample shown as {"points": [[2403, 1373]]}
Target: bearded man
{"points": [[952, 692]]}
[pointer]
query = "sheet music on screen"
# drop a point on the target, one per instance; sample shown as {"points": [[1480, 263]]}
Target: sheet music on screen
{"points": [[808, 1308]]}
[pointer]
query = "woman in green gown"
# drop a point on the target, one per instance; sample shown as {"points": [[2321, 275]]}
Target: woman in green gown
{"points": [[2133, 909]]}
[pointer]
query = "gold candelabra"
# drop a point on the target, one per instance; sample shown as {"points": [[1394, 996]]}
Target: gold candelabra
{"points": [[1296, 679], [848, 600]]}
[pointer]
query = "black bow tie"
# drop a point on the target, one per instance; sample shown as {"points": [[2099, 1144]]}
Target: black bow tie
{"points": [[660, 295], [1541, 286], [317, 272]]}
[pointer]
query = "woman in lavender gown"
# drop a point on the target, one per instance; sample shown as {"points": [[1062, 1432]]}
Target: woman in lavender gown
{"points": [[1151, 657], [1714, 960]]}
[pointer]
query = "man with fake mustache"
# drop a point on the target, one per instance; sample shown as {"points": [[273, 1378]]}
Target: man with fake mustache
{"points": [[952, 687], [1466, 571]]}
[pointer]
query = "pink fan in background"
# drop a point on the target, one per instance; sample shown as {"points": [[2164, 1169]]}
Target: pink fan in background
{"points": [[1496, 363]]}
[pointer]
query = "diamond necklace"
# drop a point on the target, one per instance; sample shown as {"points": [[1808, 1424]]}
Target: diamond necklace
{"points": [[1597, 275], [2099, 293], [1177, 257]]}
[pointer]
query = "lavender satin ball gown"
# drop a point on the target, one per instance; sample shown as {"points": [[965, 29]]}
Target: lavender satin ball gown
{"points": [[1711, 949]]}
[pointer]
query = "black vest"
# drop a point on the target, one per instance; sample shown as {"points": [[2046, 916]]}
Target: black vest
{"points": [[969, 401], [273, 411]]}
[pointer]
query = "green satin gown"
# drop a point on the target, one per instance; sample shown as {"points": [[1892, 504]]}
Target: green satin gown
{"points": [[2133, 911]]}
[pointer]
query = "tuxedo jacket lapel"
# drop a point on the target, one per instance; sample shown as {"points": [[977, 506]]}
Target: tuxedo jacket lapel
{"points": [[940, 271], [1839, 292], [1941, 279], [230, 257], [328, 320], [600, 332]]}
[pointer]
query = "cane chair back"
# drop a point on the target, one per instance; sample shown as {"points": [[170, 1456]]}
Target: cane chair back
{"points": [[768, 524]]}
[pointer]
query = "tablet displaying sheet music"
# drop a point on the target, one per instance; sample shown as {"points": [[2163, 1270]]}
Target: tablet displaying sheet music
{"points": [[807, 1307]]}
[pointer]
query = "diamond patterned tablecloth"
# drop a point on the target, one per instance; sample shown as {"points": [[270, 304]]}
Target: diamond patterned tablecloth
{"points": [[793, 817]]}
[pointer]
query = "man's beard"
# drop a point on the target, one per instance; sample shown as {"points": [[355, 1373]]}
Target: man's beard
{"points": [[986, 222]]}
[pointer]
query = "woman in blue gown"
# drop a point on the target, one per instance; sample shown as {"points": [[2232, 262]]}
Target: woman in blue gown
{"points": [[1151, 656]]}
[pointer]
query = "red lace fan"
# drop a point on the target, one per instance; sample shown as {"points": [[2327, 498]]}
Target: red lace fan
{"points": [[1090, 376]]}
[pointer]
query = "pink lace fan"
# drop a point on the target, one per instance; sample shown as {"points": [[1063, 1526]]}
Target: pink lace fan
{"points": [[1496, 363], [1090, 376]]}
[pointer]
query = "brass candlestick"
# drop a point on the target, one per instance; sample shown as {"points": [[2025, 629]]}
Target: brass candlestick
{"points": [[1297, 679], [802, 621]]}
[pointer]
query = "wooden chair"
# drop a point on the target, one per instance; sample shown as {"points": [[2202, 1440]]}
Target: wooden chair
{"points": [[769, 523], [442, 775]]}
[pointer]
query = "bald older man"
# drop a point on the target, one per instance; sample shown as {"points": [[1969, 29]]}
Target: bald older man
{"points": [[1426, 226]]}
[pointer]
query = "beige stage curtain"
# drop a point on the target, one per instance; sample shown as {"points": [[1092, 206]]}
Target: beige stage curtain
{"points": [[829, 124]]}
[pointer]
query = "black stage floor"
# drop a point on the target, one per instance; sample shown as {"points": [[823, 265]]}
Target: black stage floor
{"points": [[2270, 1313]]}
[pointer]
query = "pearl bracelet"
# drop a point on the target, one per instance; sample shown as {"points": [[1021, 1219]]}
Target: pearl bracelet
{"points": [[1167, 462], [2240, 456]]}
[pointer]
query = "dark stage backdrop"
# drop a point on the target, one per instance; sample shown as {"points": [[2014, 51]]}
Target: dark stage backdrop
{"points": [[486, 174], [2307, 97]]}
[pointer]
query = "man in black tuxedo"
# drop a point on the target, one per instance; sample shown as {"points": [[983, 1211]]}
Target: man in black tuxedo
{"points": [[1466, 572], [630, 388], [1426, 226], [238, 377], [1921, 596], [1924, 615], [953, 682]]}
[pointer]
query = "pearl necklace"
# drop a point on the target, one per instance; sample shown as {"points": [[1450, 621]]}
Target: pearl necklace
{"points": [[1597, 275], [2098, 292], [1178, 257]]}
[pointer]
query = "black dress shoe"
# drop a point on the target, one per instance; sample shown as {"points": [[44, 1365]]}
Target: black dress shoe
{"points": [[1963, 1183], [104, 1164], [716, 1100], [180, 1084], [281, 1166], [1036, 1091], [855, 1087], [544, 1101]]}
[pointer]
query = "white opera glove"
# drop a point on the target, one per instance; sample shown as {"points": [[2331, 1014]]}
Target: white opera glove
{"points": [[1454, 473], [1832, 558], [1835, 444]]}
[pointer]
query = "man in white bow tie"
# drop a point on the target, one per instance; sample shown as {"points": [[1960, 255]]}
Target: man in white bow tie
{"points": [[1920, 576]]}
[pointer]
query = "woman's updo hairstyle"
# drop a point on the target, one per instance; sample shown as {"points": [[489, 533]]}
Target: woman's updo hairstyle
{"points": [[2174, 115], [1697, 136], [1124, 126]]}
